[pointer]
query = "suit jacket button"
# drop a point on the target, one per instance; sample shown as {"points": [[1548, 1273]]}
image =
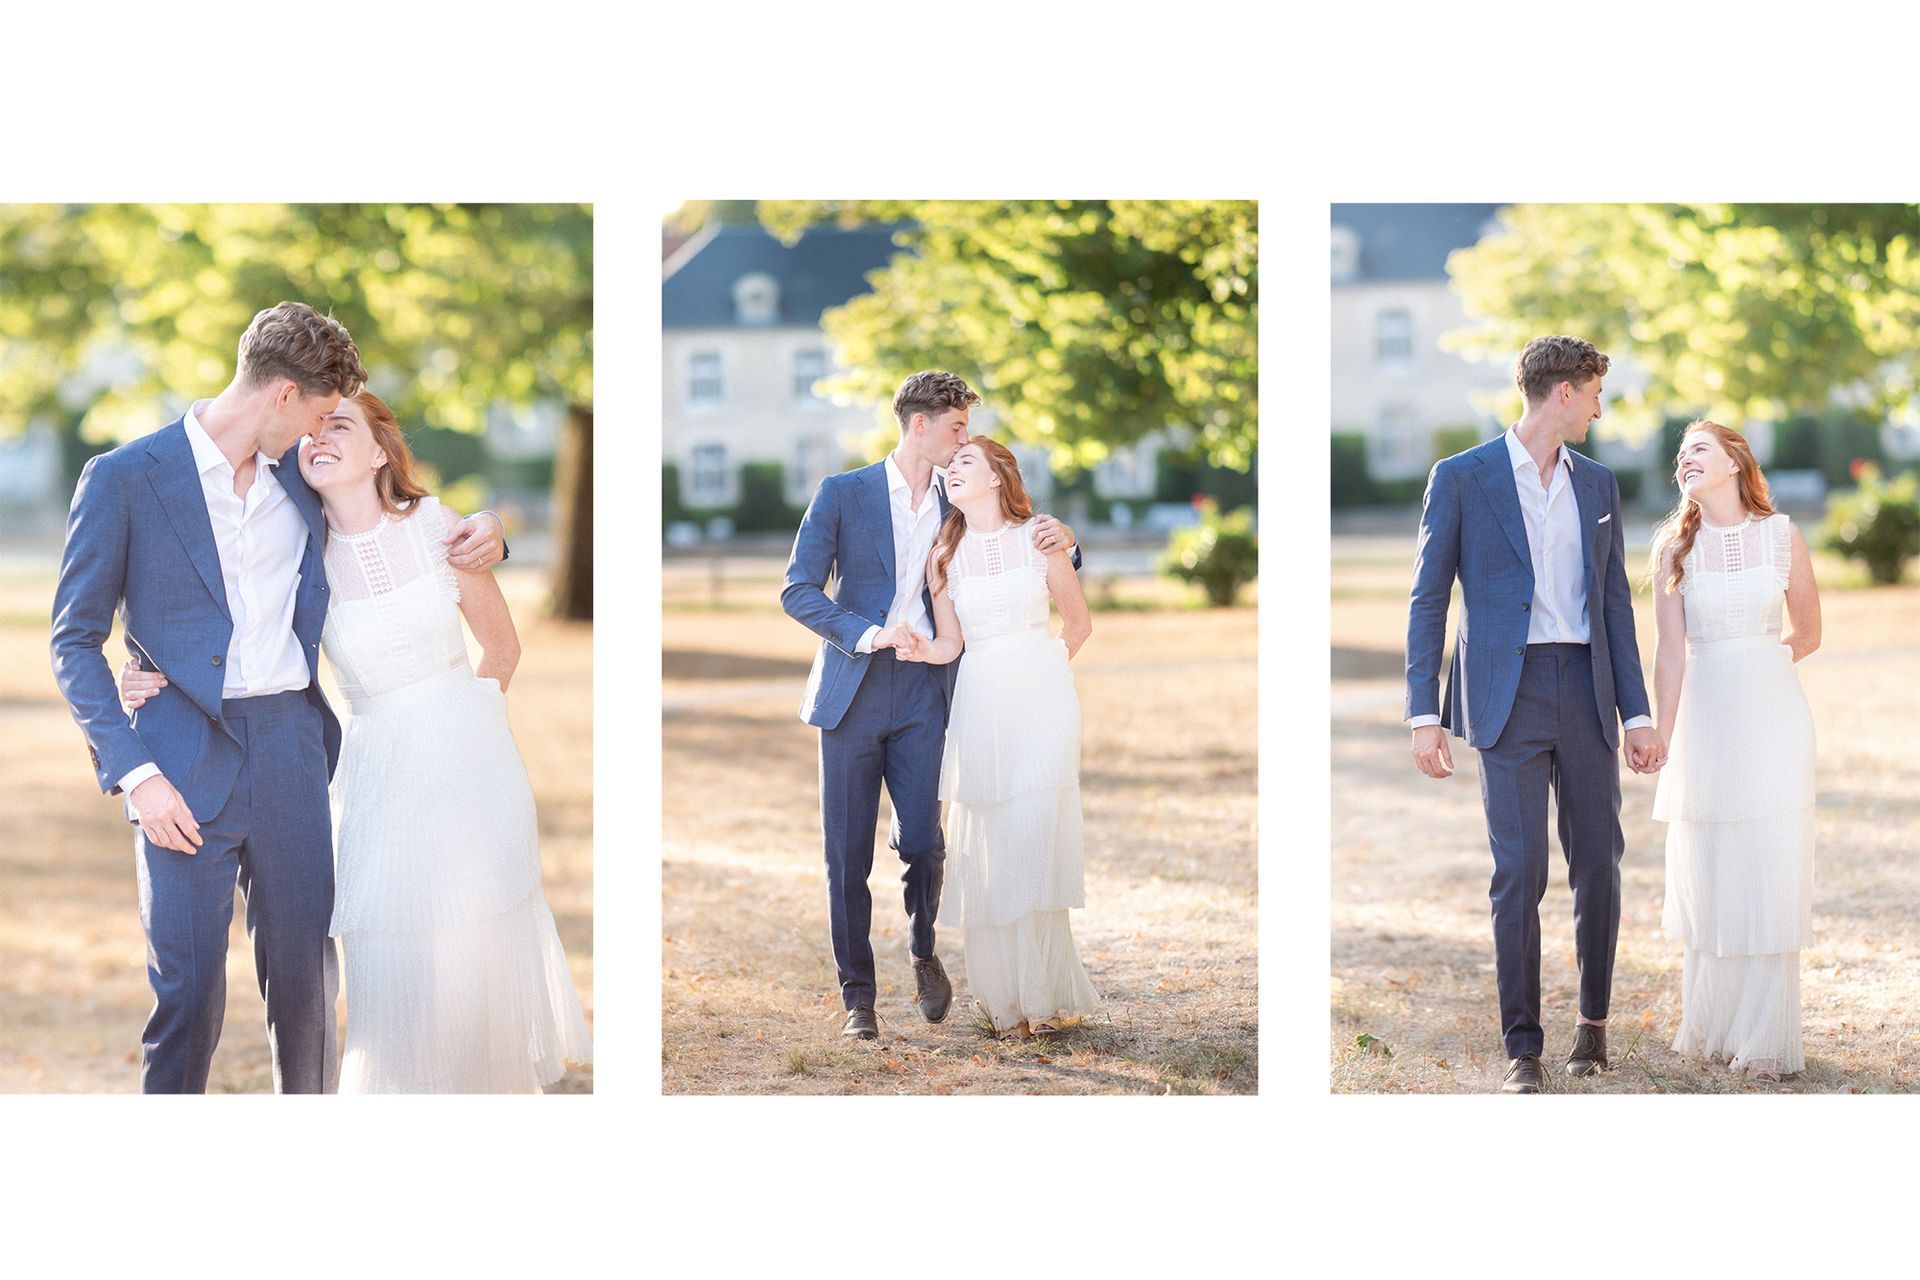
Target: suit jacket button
{"points": [[1520, 649], [1527, 607], [216, 659]]}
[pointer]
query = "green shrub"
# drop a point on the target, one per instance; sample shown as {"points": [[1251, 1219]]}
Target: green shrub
{"points": [[1448, 441], [1220, 553], [672, 509], [1352, 486], [763, 500], [1877, 523]]}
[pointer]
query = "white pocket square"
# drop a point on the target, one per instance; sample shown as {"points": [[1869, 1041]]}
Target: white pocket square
{"points": [[1603, 519]]}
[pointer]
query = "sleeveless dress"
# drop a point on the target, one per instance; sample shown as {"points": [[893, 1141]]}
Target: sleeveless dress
{"points": [[1010, 777], [1737, 795], [455, 977]]}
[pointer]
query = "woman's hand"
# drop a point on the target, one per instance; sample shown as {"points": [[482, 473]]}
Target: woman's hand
{"points": [[891, 637], [912, 647], [137, 685]]}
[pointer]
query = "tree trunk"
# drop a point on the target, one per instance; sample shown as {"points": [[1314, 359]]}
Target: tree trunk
{"points": [[573, 517]]}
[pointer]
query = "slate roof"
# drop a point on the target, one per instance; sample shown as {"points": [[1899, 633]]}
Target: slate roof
{"points": [[1410, 241], [824, 268]]}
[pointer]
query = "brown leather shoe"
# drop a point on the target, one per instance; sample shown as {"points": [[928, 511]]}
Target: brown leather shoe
{"points": [[1589, 1050], [1524, 1075], [861, 1023], [931, 988]]}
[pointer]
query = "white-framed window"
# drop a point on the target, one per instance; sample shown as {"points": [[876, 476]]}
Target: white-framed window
{"points": [[707, 481], [1393, 337], [808, 368], [813, 461], [1401, 445], [706, 382]]}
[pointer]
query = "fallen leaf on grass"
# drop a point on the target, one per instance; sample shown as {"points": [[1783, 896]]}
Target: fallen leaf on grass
{"points": [[1372, 1044]]}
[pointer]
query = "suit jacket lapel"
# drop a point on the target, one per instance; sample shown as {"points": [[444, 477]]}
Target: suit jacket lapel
{"points": [[305, 500], [1591, 505], [177, 484], [878, 509], [1496, 481]]}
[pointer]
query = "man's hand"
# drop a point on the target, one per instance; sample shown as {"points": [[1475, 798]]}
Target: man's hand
{"points": [[1430, 751], [912, 646], [1050, 535], [892, 637], [1646, 750], [476, 543], [164, 815], [137, 685]]}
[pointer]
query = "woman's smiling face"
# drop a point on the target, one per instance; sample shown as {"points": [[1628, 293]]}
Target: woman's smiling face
{"points": [[342, 451], [1703, 464], [969, 474]]}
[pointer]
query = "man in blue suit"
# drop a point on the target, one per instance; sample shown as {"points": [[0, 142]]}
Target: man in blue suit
{"points": [[882, 720], [1545, 669], [205, 540]]}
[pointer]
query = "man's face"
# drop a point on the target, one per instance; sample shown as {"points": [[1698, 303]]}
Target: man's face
{"points": [[297, 415], [942, 435], [1583, 407]]}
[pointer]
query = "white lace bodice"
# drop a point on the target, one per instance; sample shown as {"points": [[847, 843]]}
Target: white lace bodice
{"points": [[1736, 579], [395, 615], [998, 583]]}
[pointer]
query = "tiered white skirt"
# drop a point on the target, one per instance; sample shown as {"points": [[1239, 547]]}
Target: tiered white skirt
{"points": [[455, 977], [1737, 793], [1010, 778]]}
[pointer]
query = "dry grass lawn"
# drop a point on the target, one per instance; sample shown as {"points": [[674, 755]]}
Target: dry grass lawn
{"points": [[750, 1004], [1412, 938], [73, 988]]}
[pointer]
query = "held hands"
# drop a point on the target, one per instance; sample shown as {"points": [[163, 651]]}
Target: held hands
{"points": [[1646, 750], [476, 543], [907, 644], [1430, 751], [137, 686], [1051, 536], [164, 815]]}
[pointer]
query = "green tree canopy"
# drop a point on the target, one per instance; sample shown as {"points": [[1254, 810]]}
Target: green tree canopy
{"points": [[1085, 324], [1740, 311], [453, 307]]}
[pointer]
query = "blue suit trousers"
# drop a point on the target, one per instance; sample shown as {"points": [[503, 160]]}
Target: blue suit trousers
{"points": [[893, 733], [1552, 742], [272, 837]]}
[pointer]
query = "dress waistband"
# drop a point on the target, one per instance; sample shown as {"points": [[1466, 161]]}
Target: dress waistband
{"points": [[408, 694], [1733, 644], [1009, 637]]}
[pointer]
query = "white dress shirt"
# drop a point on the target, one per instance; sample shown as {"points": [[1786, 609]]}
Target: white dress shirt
{"points": [[913, 533], [261, 540], [1559, 614]]}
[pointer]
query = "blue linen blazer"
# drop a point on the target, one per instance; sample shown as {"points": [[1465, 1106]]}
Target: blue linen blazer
{"points": [[846, 532], [140, 542], [1471, 529]]}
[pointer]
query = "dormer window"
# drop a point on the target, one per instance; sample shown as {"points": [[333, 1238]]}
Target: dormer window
{"points": [[756, 299], [1346, 254]]}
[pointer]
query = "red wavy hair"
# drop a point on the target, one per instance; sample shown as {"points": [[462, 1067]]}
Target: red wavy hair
{"points": [[1682, 525], [1014, 503]]}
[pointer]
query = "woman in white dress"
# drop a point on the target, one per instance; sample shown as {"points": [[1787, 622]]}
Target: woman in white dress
{"points": [[1010, 775], [455, 977], [1737, 791]]}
